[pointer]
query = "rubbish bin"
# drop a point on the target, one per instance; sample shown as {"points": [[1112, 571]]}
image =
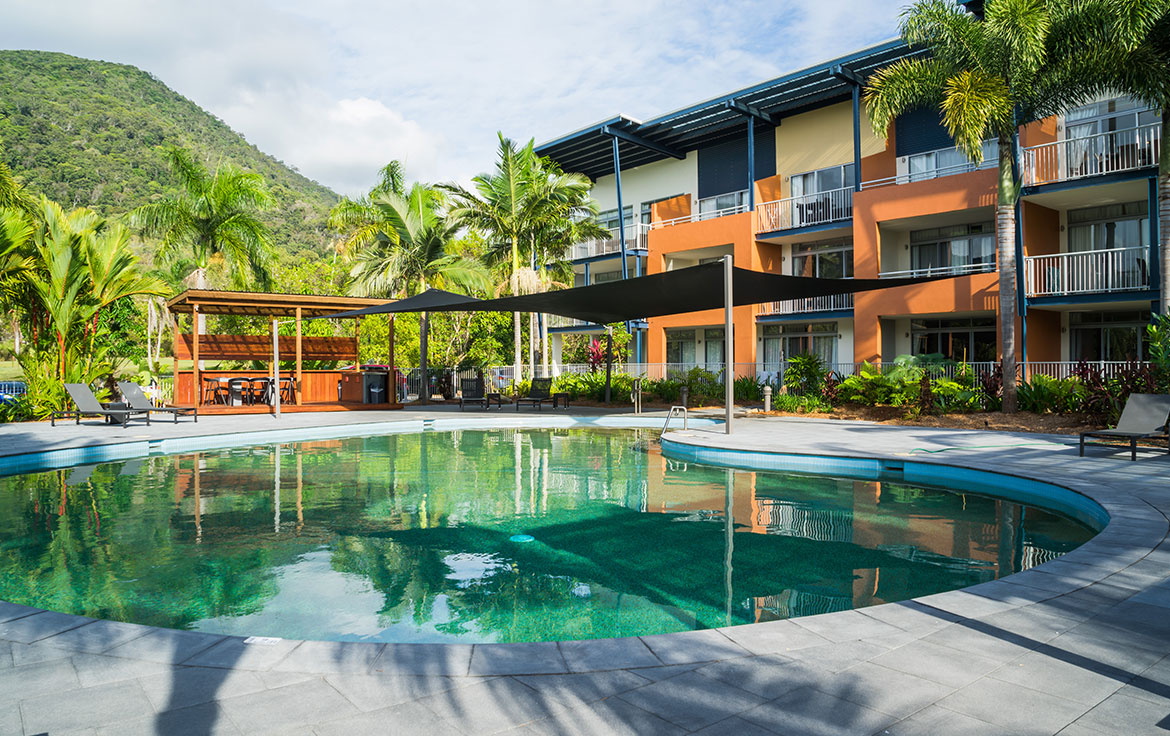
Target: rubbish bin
{"points": [[374, 387]]}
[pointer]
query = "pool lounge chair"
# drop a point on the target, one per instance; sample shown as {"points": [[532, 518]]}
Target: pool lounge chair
{"points": [[471, 391], [137, 399], [538, 394], [88, 405], [1145, 416]]}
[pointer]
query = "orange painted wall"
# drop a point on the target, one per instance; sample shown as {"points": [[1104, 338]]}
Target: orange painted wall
{"points": [[1040, 132], [668, 209], [1041, 228], [1043, 335], [881, 165], [770, 189]]}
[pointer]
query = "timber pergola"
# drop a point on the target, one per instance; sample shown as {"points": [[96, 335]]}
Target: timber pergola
{"points": [[311, 387]]}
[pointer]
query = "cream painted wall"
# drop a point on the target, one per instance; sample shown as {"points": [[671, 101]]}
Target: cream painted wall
{"points": [[845, 344], [821, 138], [649, 183]]}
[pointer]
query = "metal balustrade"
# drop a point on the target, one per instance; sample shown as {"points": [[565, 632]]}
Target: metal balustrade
{"points": [[827, 303], [806, 210], [957, 270], [636, 238], [1087, 272], [1105, 153], [990, 161], [697, 216]]}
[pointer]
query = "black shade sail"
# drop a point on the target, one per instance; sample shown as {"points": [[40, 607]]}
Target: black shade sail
{"points": [[672, 292]]}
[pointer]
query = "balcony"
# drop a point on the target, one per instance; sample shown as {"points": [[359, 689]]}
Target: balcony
{"points": [[962, 269], [1089, 272], [1094, 155], [939, 163], [806, 210], [556, 321], [709, 208], [828, 303], [635, 240]]}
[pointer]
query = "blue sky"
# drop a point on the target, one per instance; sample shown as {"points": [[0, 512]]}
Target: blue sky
{"points": [[338, 88]]}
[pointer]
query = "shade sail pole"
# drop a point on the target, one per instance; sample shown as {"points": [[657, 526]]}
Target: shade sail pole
{"points": [[728, 342], [275, 367]]}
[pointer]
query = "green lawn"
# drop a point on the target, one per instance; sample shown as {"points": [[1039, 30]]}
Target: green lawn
{"points": [[10, 371]]}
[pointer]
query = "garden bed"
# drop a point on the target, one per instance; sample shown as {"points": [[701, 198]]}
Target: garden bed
{"points": [[1023, 421]]}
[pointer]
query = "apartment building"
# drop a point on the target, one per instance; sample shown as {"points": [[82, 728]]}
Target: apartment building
{"points": [[789, 177]]}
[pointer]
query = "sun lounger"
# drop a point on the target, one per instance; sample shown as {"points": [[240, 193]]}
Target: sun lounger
{"points": [[137, 399], [538, 394], [88, 405], [1145, 416]]}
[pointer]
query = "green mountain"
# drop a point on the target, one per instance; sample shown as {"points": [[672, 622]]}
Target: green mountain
{"points": [[91, 133]]}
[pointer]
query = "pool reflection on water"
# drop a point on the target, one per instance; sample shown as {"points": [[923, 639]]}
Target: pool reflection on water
{"points": [[420, 537]]}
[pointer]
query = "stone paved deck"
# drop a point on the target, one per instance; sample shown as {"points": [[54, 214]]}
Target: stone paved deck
{"points": [[1078, 646]]}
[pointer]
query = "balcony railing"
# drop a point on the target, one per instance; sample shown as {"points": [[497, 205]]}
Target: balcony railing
{"points": [[635, 240], [1107, 153], [828, 303], [699, 213], [556, 320], [958, 270], [953, 161], [1088, 272], [805, 210]]}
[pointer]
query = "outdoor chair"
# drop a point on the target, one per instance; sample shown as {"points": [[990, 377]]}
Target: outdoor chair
{"points": [[137, 399], [88, 405], [257, 390], [472, 391], [239, 389], [215, 391], [1145, 416], [539, 394]]}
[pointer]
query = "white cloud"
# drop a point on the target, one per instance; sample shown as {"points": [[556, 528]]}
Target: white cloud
{"points": [[339, 88]]}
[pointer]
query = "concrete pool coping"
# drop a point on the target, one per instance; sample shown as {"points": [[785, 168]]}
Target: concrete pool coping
{"points": [[1114, 586]]}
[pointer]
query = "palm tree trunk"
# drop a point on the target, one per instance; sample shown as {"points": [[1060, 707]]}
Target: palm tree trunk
{"points": [[1005, 235], [1164, 207]]}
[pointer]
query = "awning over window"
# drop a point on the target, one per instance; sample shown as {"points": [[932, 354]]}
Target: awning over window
{"points": [[673, 292]]}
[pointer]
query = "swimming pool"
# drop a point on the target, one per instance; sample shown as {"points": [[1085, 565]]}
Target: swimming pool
{"points": [[489, 535]]}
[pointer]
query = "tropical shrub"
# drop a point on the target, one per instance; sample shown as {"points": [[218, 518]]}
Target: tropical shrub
{"points": [[799, 404], [805, 375], [1158, 332], [1043, 394]]}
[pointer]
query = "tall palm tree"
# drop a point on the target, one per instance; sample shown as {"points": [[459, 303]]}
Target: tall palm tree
{"points": [[530, 211], [359, 220], [409, 252], [215, 216], [13, 195], [987, 76], [1128, 42]]}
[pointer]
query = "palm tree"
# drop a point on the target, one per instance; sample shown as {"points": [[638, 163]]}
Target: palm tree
{"points": [[216, 217], [409, 251], [358, 220], [13, 195], [1128, 42], [531, 211], [987, 76]]}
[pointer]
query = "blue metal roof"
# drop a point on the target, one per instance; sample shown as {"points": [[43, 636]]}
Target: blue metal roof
{"points": [[589, 151]]}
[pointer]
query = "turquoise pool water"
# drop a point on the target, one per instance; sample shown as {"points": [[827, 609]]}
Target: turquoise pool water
{"points": [[479, 536]]}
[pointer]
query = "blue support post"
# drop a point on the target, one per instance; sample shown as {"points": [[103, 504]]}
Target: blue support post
{"points": [[1155, 260], [617, 173], [857, 137], [751, 163]]}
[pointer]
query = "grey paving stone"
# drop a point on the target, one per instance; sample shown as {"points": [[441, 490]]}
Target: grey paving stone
{"points": [[693, 646], [655, 674], [845, 626], [735, 726], [1153, 684], [1127, 715], [611, 716], [692, 701], [182, 687], [273, 680], [96, 669], [30, 680], [33, 653], [769, 676], [406, 718], [983, 640], [1156, 596], [424, 659], [169, 646], [1038, 625], [238, 653], [607, 654], [198, 720], [814, 713], [91, 707], [5, 655], [1081, 682], [96, 637], [10, 719], [375, 692], [579, 689], [492, 705], [965, 604], [1019, 709], [10, 611], [933, 721], [39, 626], [937, 663], [307, 702], [773, 637], [329, 657], [836, 657], [536, 658], [884, 689], [1075, 729], [910, 616], [1103, 645]]}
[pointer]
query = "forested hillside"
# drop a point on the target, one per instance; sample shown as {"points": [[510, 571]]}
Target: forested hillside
{"points": [[91, 133]]}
